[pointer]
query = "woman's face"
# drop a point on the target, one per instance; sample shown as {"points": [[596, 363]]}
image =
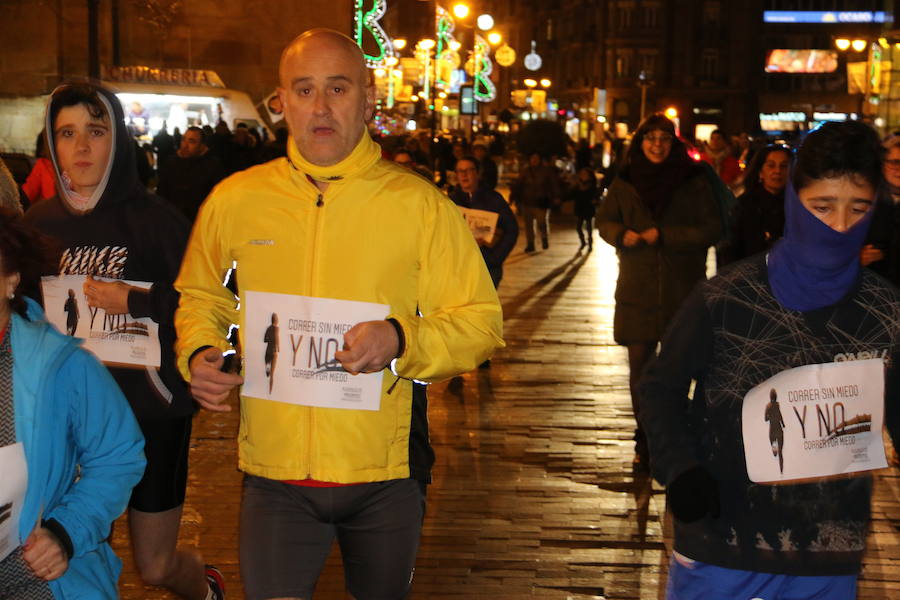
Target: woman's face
{"points": [[892, 167], [839, 202], [656, 145], [83, 144], [774, 172]]}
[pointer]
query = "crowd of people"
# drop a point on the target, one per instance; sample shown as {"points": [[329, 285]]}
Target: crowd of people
{"points": [[400, 246]]}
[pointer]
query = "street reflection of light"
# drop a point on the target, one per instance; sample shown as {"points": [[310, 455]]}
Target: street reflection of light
{"points": [[859, 45], [495, 38], [842, 43]]}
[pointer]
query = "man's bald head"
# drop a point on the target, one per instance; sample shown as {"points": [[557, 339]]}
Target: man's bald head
{"points": [[326, 38]]}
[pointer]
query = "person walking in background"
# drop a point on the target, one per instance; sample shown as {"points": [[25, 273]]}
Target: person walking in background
{"points": [[718, 154], [70, 449], [187, 177], [535, 191], [585, 195], [41, 182], [487, 169], [744, 528], [661, 216], [759, 216], [108, 225]]}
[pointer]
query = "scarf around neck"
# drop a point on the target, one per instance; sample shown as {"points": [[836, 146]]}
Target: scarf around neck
{"points": [[656, 182], [364, 155], [814, 266]]}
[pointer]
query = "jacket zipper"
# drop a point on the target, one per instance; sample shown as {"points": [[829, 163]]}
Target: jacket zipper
{"points": [[320, 203]]}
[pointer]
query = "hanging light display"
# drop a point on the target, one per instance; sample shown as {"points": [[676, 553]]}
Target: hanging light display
{"points": [[445, 53], [485, 91], [366, 22]]}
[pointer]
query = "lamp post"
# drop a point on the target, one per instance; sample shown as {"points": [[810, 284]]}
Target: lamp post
{"points": [[644, 82]]}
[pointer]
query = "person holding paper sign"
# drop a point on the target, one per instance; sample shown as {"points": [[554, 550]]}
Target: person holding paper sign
{"points": [[506, 232], [110, 229], [379, 288], [70, 449], [802, 326]]}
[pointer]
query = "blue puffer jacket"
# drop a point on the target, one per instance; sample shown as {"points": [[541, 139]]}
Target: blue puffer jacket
{"points": [[71, 415]]}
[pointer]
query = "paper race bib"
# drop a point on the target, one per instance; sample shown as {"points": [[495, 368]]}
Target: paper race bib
{"points": [[120, 340], [289, 346], [13, 485], [815, 421]]}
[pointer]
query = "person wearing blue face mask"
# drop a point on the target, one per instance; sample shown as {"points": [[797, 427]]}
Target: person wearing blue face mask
{"points": [[806, 323]]}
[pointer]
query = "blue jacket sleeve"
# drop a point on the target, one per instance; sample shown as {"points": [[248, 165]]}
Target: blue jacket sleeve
{"points": [[506, 222], [109, 448]]}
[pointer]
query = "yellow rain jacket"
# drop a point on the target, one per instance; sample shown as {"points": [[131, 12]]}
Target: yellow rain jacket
{"points": [[380, 234]]}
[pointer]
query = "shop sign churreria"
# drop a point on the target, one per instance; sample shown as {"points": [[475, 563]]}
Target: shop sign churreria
{"points": [[141, 74]]}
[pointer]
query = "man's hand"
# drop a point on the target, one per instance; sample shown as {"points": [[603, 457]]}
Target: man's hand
{"points": [[111, 296], [368, 347], [209, 385], [870, 254], [631, 239], [651, 236], [45, 555]]}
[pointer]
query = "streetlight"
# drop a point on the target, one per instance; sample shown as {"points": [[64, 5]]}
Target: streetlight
{"points": [[530, 83], [545, 83], [399, 43], [859, 46], [494, 38], [461, 11]]}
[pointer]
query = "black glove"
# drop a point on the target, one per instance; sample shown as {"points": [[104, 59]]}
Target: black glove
{"points": [[693, 494]]}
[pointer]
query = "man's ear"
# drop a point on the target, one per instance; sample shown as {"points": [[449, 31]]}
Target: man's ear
{"points": [[370, 103]]}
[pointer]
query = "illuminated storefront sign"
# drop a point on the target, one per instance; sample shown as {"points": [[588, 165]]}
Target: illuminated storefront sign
{"points": [[801, 61], [139, 74], [818, 16]]}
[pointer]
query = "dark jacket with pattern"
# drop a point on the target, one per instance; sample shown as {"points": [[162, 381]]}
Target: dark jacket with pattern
{"points": [[730, 335]]}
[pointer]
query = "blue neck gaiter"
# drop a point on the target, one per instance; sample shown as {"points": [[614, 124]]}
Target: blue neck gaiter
{"points": [[813, 265]]}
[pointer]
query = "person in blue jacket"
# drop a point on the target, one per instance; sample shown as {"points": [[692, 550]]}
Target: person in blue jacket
{"points": [[70, 448]]}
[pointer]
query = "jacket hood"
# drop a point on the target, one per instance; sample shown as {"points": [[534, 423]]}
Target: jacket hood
{"points": [[120, 178]]}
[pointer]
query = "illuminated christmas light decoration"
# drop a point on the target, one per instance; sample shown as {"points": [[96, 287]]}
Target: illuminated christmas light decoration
{"points": [[484, 87], [446, 55], [368, 21]]}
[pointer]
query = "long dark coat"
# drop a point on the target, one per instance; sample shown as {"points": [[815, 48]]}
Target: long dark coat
{"points": [[654, 280]]}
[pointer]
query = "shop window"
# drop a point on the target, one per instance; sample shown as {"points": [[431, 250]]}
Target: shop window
{"points": [[709, 65]]}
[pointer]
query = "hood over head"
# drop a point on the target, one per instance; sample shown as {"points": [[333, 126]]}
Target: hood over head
{"points": [[120, 179]]}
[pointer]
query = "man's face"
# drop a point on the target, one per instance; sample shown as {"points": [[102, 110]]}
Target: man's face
{"points": [[716, 142], [191, 144], [467, 174], [326, 98]]}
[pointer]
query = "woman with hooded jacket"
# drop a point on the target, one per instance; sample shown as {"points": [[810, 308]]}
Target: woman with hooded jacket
{"points": [[70, 449], [109, 226], [661, 216]]}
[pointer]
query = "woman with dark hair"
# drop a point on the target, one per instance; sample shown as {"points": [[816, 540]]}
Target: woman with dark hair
{"points": [[110, 228], [661, 216], [804, 321], [70, 449], [759, 217]]}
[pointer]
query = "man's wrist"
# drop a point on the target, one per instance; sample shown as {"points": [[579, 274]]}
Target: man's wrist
{"points": [[401, 338]]}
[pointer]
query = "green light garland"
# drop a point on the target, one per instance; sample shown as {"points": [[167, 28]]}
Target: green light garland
{"points": [[485, 91], [444, 27], [367, 20]]}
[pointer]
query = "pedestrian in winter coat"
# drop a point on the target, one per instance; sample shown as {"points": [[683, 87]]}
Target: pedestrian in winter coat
{"points": [[759, 217], [70, 449], [781, 508], [535, 191], [585, 196], [661, 216]]}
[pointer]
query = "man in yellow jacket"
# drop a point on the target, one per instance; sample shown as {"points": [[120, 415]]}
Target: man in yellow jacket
{"points": [[359, 282]]}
